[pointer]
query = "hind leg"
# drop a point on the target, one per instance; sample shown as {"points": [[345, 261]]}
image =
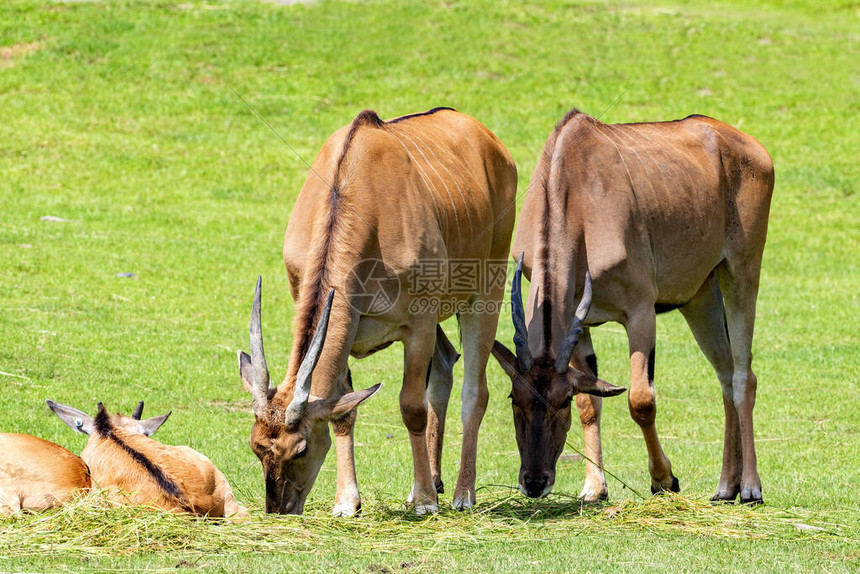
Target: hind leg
{"points": [[706, 317], [739, 285], [738, 277], [440, 379]]}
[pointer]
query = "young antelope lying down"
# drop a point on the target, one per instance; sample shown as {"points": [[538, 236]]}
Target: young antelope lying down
{"points": [[136, 469], [39, 475]]}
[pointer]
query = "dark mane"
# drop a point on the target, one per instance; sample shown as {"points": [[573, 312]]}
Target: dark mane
{"points": [[316, 278], [675, 121], [365, 118], [419, 114], [106, 430], [543, 254], [567, 117], [544, 249]]}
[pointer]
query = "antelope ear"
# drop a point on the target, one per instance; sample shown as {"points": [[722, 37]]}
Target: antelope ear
{"points": [[445, 355], [585, 383], [335, 408], [507, 360], [77, 420], [149, 426], [246, 372]]}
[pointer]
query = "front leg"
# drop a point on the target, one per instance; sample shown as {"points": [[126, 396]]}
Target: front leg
{"points": [[418, 352], [347, 501], [589, 408], [642, 333]]}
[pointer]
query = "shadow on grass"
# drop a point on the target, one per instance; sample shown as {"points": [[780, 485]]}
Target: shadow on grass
{"points": [[502, 502]]}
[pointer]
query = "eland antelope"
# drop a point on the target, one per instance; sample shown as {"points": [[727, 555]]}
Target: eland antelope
{"points": [[658, 216], [38, 475], [413, 196], [135, 469]]}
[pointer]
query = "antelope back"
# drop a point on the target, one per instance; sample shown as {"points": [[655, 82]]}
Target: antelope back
{"points": [[36, 474], [136, 469], [139, 470]]}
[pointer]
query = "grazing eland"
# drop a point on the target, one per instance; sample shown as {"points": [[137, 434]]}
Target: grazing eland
{"points": [[388, 207], [657, 216], [135, 469]]}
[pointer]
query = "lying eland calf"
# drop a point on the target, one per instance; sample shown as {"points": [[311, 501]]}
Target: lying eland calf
{"points": [[136, 469], [36, 474]]}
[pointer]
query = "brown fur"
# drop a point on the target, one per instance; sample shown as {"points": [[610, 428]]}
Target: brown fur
{"points": [[662, 215], [336, 225]]}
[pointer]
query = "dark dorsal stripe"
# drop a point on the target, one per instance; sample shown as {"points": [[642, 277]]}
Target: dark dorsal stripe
{"points": [[563, 121], [544, 253], [106, 430], [418, 115], [365, 118], [307, 315]]}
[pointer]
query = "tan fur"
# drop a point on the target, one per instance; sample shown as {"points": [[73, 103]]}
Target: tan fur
{"points": [[438, 186], [38, 475], [135, 469], [204, 489]]}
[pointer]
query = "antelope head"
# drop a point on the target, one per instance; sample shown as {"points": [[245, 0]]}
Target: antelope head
{"points": [[82, 422], [542, 393], [291, 442]]}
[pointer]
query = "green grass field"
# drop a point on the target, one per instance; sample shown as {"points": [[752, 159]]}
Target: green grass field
{"points": [[121, 117]]}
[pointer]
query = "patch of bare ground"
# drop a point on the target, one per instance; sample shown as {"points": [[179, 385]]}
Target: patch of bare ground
{"points": [[9, 55]]}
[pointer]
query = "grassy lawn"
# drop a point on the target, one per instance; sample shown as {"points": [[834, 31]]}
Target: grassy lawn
{"points": [[121, 118]]}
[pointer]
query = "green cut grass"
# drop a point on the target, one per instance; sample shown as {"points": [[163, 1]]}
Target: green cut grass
{"points": [[90, 530], [125, 119]]}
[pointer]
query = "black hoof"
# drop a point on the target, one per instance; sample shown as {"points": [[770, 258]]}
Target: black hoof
{"points": [[716, 499], [674, 488], [725, 497], [751, 501]]}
